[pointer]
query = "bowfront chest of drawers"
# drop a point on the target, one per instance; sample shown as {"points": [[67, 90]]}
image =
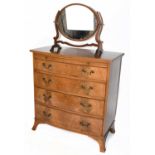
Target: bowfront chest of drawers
{"points": [[77, 92]]}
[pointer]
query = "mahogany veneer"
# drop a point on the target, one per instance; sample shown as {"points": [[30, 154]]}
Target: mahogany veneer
{"points": [[77, 92]]}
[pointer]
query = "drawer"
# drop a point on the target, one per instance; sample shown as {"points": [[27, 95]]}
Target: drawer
{"points": [[69, 102], [69, 121], [72, 86], [73, 70], [71, 60]]}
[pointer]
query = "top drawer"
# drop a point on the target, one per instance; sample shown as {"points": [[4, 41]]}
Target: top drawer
{"points": [[74, 70]]}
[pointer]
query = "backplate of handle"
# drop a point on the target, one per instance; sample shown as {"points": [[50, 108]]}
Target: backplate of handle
{"points": [[85, 104], [46, 81], [46, 66], [86, 87], [87, 71], [46, 114], [47, 97], [86, 107], [84, 124]]}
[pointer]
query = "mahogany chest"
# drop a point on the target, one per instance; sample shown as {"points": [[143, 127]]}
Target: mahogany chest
{"points": [[77, 92]]}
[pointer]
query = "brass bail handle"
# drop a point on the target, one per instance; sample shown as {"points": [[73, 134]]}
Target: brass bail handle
{"points": [[47, 97], [86, 87], [86, 107], [47, 81], [87, 71], [46, 66], [84, 124], [46, 114]]}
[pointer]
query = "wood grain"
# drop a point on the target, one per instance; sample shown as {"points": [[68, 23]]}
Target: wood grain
{"points": [[81, 71], [79, 105], [79, 87], [64, 120], [70, 60]]}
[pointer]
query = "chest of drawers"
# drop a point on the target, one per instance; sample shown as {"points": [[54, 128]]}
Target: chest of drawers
{"points": [[77, 92]]}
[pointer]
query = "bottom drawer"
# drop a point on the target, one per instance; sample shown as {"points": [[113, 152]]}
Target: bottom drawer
{"points": [[90, 126]]}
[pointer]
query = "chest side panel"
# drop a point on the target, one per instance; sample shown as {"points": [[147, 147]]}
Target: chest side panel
{"points": [[113, 88]]}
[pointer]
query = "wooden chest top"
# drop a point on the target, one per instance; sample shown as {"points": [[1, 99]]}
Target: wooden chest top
{"points": [[79, 53]]}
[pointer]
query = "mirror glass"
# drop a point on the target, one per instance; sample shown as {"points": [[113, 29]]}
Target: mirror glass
{"points": [[77, 22]]}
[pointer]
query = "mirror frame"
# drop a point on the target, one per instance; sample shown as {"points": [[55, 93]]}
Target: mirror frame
{"points": [[96, 33], [65, 35]]}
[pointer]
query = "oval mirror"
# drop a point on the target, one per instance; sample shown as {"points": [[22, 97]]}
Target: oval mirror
{"points": [[77, 22]]}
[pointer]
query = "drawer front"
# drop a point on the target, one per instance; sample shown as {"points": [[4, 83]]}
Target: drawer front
{"points": [[78, 87], [71, 60], [69, 121], [80, 71], [69, 102]]}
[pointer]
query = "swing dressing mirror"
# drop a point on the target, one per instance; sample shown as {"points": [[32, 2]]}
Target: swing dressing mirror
{"points": [[78, 22]]}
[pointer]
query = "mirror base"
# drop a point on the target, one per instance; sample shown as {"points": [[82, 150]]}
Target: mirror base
{"points": [[55, 48], [98, 53]]}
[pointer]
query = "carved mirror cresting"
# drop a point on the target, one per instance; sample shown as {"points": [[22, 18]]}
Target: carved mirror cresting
{"points": [[78, 22]]}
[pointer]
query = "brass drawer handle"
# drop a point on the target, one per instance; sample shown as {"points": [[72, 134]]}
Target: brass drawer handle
{"points": [[86, 87], [46, 81], [46, 66], [92, 72], [83, 87], [87, 71], [47, 114], [85, 105], [84, 124], [84, 71], [47, 97]]}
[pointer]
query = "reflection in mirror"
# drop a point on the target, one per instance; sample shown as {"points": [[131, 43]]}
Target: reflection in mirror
{"points": [[85, 22], [77, 23]]}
